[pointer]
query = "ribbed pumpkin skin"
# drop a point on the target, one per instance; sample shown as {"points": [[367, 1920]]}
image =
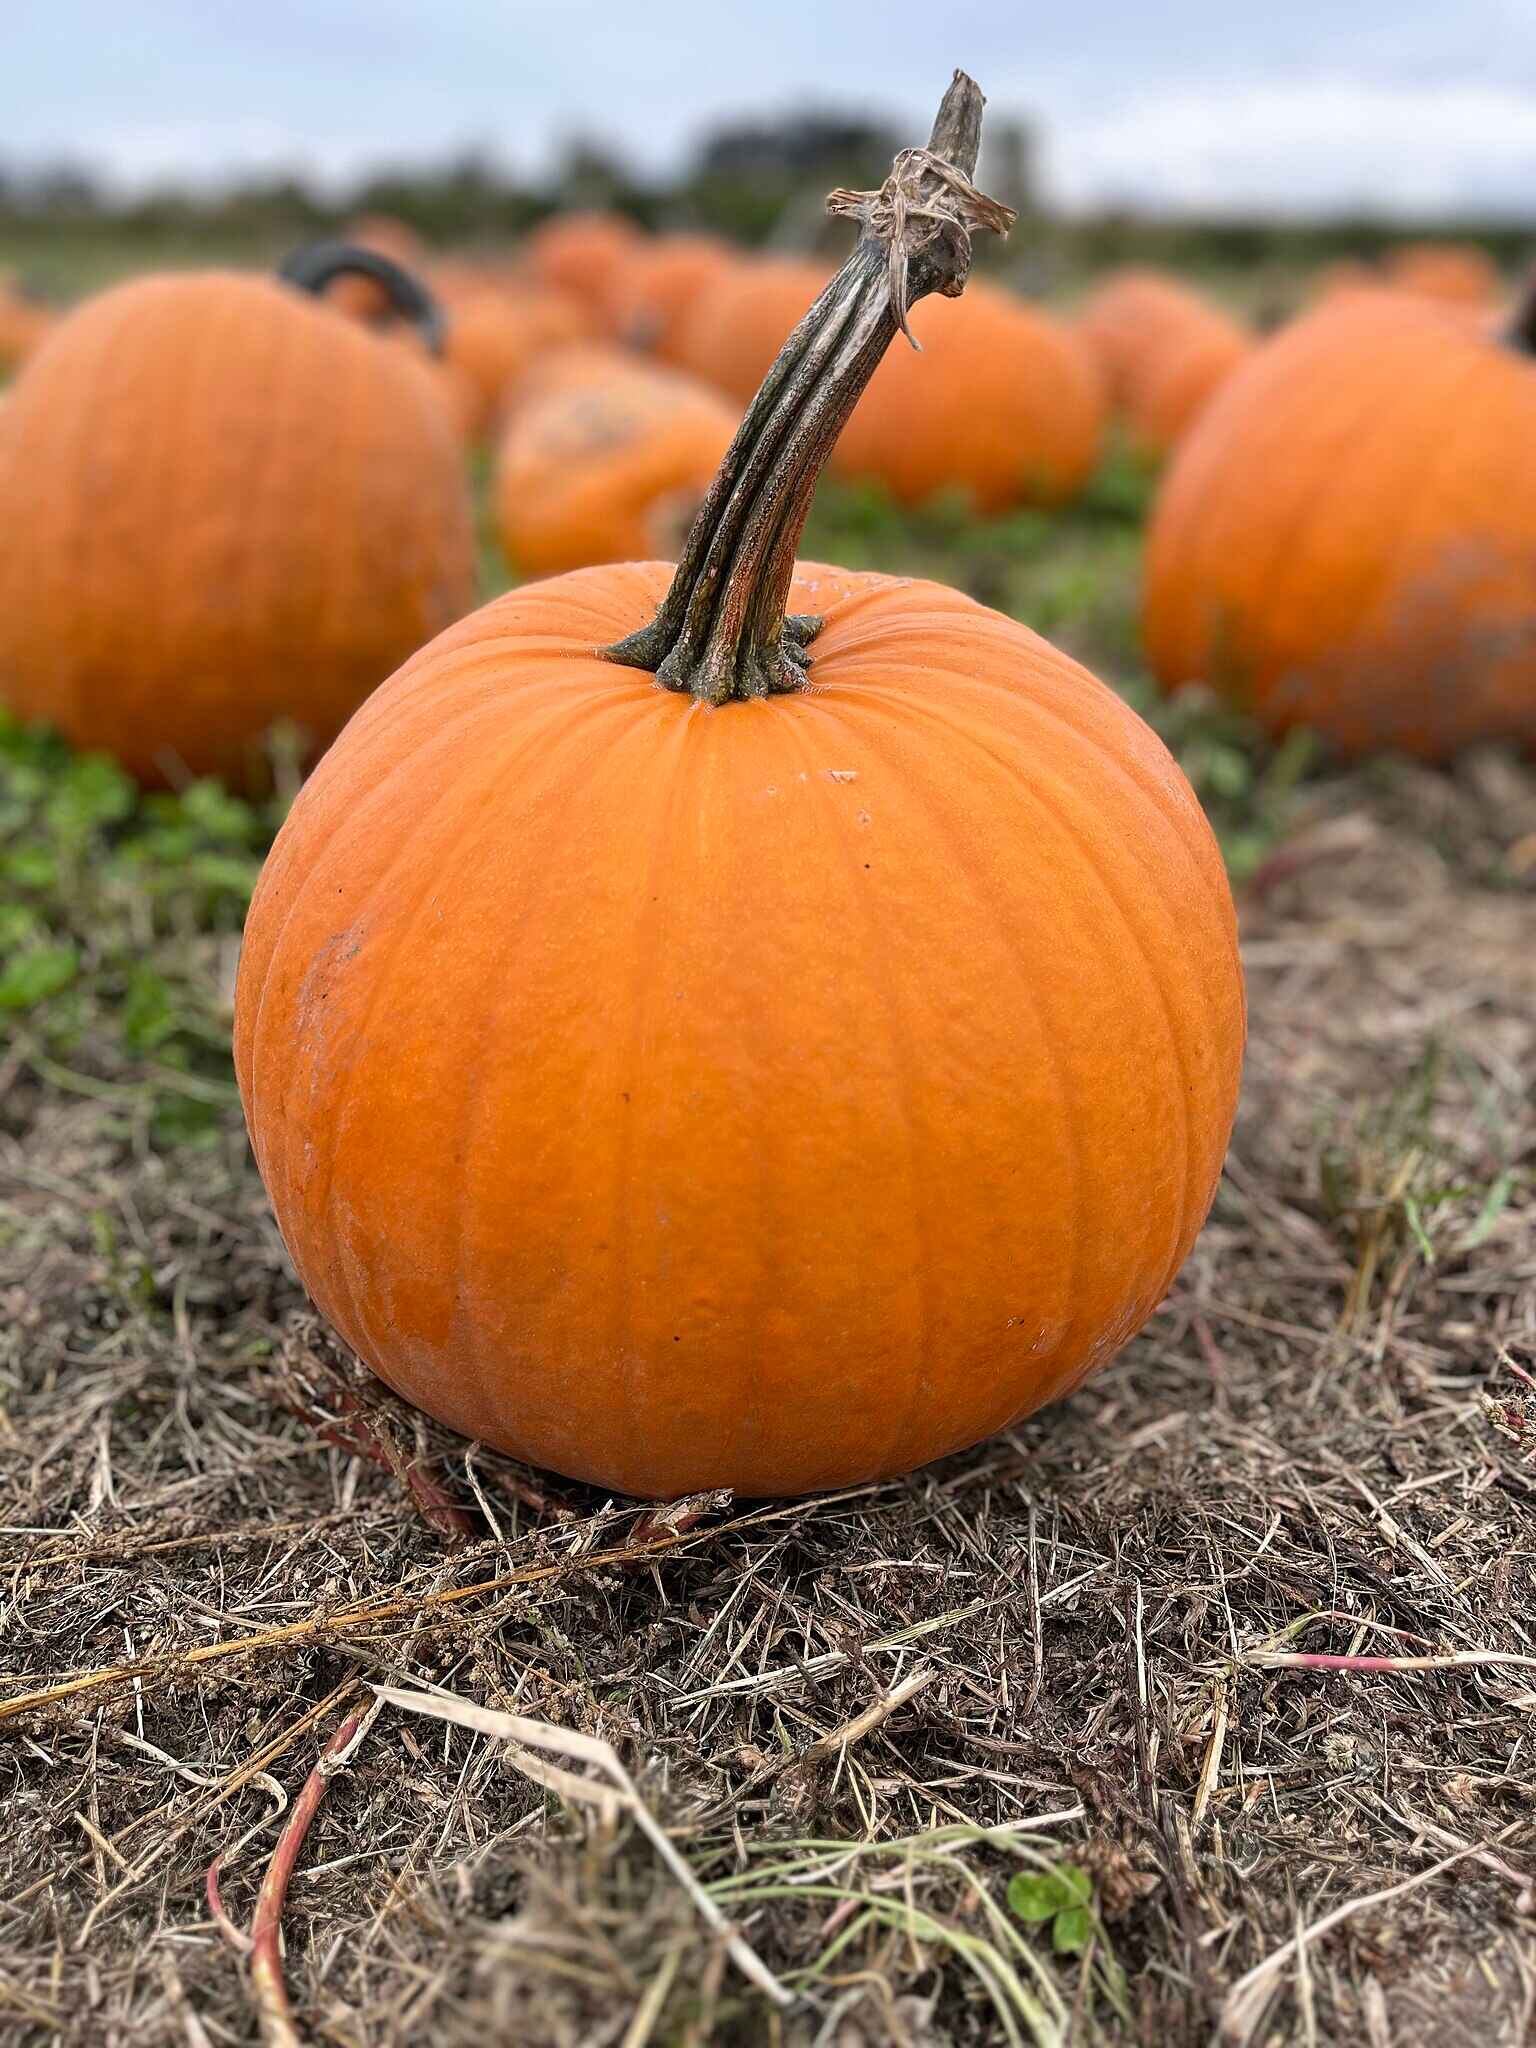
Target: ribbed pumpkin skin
{"points": [[580, 254], [1162, 351], [771, 1096], [656, 287], [1002, 404], [494, 336], [1459, 273], [739, 323], [609, 471], [363, 297], [223, 504], [1347, 539]]}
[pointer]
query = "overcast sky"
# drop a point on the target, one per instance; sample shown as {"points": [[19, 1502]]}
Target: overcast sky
{"points": [[1426, 104]]}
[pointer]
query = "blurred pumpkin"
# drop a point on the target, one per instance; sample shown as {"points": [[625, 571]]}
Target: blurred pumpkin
{"points": [[740, 319], [364, 297], [682, 1077], [656, 287], [1458, 272], [607, 469], [1162, 350], [580, 362], [580, 254], [224, 504], [493, 337], [1347, 538], [1002, 404]]}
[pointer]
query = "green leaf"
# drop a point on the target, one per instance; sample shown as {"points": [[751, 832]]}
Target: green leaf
{"points": [[31, 977], [1037, 1895], [1079, 1885], [1072, 1931]]}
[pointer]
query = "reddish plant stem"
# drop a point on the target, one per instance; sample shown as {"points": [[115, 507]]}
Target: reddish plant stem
{"points": [[268, 1990], [240, 1943]]}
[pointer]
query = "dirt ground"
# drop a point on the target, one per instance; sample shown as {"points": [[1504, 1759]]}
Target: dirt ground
{"points": [[850, 1721]]}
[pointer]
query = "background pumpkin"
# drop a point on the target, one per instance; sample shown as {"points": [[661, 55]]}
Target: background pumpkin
{"points": [[362, 296], [1161, 349], [1002, 404], [739, 321], [224, 504], [493, 337], [656, 286], [1347, 540], [766, 1095], [607, 468], [580, 254], [1458, 272]]}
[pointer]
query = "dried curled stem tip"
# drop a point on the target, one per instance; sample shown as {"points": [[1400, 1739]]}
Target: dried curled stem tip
{"points": [[924, 202], [721, 632]]}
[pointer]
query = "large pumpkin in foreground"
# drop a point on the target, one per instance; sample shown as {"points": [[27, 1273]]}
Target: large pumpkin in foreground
{"points": [[687, 1086], [1347, 539], [223, 504]]}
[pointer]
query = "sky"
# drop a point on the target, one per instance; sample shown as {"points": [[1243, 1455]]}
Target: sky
{"points": [[1305, 105]]}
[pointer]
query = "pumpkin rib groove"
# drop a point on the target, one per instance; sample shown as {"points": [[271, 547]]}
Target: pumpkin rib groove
{"points": [[1014, 772], [497, 762], [1425, 493], [447, 740], [946, 826], [110, 364], [1206, 537], [665, 793], [563, 791], [1166, 800], [903, 1063], [274, 875], [1290, 556]]}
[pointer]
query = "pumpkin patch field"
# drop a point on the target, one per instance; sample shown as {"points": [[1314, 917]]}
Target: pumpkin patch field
{"points": [[767, 1142]]}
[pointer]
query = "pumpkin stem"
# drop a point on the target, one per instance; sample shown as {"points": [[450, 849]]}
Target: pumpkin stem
{"points": [[1520, 330], [317, 264], [721, 631]]}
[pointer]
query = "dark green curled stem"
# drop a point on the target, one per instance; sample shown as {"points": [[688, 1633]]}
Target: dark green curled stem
{"points": [[721, 631], [318, 264]]}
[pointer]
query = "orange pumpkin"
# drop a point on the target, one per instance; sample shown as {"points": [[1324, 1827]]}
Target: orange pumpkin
{"points": [[364, 297], [1162, 350], [1002, 404], [580, 363], [607, 469], [682, 1077], [224, 504], [1347, 539], [657, 286], [580, 254], [739, 321], [1458, 272], [493, 337]]}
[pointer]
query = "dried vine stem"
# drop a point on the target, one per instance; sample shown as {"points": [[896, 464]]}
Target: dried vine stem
{"points": [[269, 1990], [721, 631]]}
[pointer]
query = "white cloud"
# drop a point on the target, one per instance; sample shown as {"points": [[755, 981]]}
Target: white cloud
{"points": [[1304, 147]]}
